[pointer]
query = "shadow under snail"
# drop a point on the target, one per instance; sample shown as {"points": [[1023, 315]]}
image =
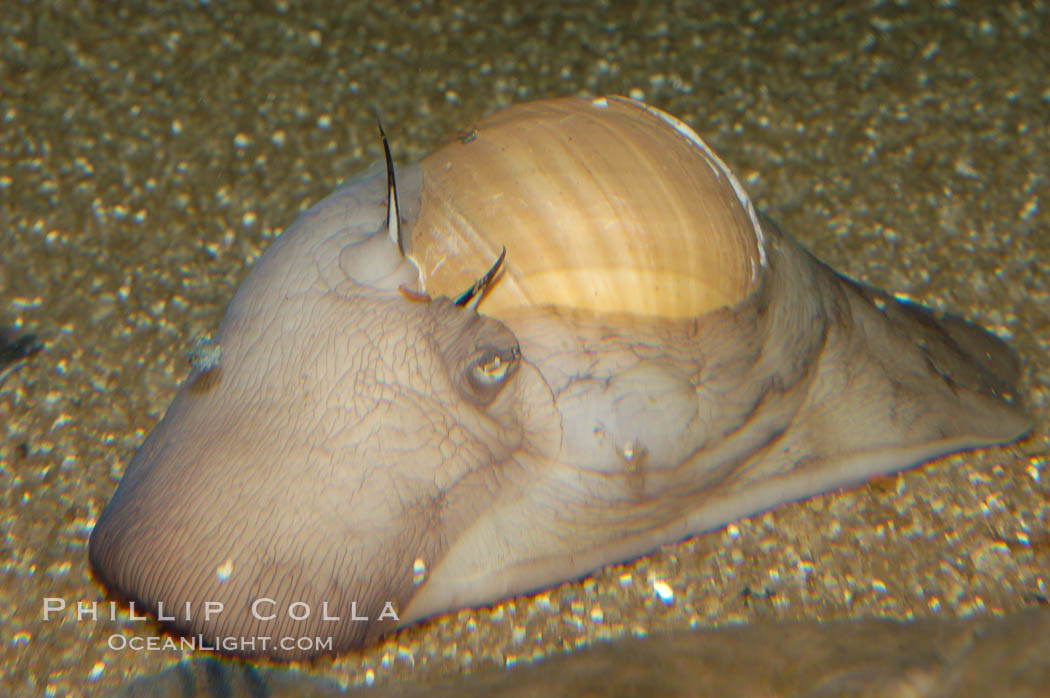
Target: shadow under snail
{"points": [[391, 433]]}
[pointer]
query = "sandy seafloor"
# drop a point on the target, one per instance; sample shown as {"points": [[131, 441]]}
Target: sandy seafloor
{"points": [[149, 154]]}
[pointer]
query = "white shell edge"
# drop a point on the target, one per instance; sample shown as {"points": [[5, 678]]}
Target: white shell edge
{"points": [[717, 165]]}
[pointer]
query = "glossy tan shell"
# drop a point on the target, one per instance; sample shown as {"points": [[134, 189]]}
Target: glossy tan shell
{"points": [[604, 204]]}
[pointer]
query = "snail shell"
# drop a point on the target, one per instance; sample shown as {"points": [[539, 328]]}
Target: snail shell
{"points": [[602, 204]]}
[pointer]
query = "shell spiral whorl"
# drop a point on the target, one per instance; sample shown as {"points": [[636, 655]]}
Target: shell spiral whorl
{"points": [[605, 205]]}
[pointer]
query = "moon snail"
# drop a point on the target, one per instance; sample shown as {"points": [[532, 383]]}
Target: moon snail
{"points": [[649, 359]]}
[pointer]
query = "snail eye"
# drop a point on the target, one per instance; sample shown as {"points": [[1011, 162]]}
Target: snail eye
{"points": [[488, 370]]}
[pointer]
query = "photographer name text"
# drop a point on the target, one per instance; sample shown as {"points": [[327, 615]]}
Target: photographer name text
{"points": [[262, 609]]}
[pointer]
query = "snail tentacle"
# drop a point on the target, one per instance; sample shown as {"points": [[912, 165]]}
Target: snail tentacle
{"points": [[479, 287], [393, 210]]}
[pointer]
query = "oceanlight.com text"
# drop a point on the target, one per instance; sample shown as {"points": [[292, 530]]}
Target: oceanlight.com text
{"points": [[239, 645]]}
